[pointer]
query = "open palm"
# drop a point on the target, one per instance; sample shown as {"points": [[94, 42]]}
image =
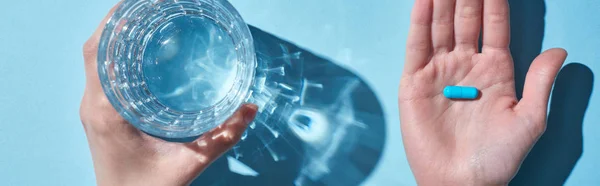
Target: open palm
{"points": [[475, 142]]}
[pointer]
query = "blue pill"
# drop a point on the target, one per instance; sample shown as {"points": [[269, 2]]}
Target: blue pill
{"points": [[460, 92]]}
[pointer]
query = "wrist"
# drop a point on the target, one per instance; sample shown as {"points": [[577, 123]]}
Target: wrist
{"points": [[453, 177]]}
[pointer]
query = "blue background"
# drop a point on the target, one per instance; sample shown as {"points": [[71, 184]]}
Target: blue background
{"points": [[42, 141]]}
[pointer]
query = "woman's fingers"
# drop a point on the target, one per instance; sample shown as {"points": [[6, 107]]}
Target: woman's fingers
{"points": [[443, 26], [538, 84], [97, 114], [496, 25], [90, 54], [468, 24], [215, 143], [419, 45]]}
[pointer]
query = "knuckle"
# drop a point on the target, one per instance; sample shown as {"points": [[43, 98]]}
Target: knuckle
{"points": [[229, 138], [543, 75], [443, 21], [466, 44], [90, 49], [497, 18], [542, 72], [419, 46], [470, 12], [98, 116]]}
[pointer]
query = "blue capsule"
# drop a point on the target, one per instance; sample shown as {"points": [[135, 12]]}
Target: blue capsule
{"points": [[460, 92]]}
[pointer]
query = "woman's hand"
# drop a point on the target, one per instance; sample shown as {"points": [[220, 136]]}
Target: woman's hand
{"points": [[124, 155], [476, 142]]}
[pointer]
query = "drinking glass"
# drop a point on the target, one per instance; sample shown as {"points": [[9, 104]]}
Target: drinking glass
{"points": [[177, 68]]}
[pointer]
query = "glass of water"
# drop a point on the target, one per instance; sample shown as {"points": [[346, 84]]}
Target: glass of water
{"points": [[176, 68]]}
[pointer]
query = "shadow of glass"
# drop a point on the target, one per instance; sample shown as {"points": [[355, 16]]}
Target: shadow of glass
{"points": [[334, 135], [552, 159]]}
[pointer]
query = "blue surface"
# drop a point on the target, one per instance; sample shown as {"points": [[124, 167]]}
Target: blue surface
{"points": [[41, 72]]}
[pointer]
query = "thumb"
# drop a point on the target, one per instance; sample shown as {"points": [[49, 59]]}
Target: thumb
{"points": [[538, 83], [210, 146]]}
